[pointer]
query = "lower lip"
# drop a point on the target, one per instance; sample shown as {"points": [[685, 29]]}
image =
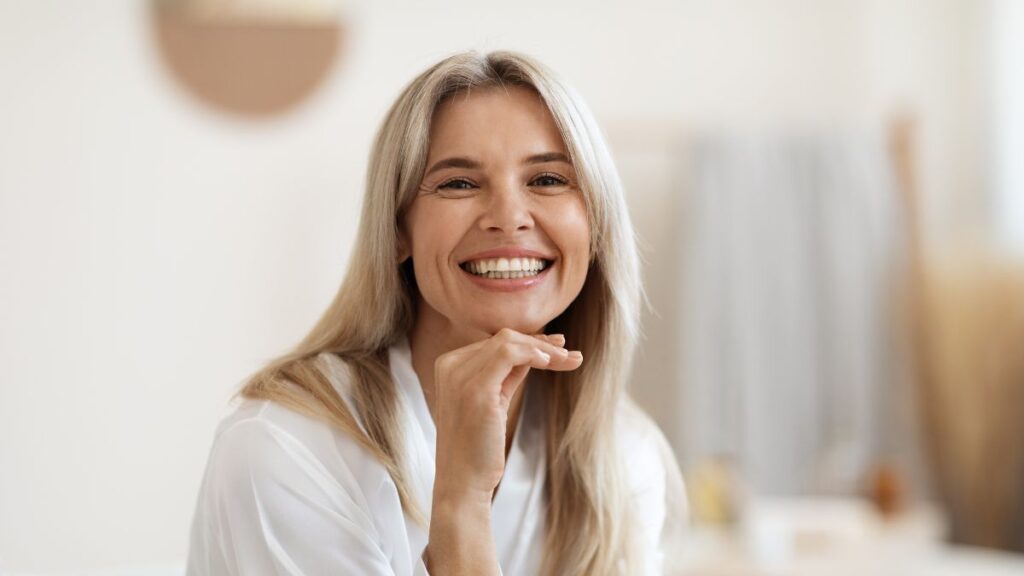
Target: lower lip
{"points": [[509, 284]]}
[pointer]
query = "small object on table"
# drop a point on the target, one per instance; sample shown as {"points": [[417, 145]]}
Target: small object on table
{"points": [[886, 490], [714, 492]]}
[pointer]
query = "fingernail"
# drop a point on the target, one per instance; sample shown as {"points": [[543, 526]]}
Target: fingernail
{"points": [[546, 356], [576, 354], [563, 351]]}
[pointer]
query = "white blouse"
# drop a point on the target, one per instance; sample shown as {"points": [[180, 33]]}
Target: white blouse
{"points": [[287, 494]]}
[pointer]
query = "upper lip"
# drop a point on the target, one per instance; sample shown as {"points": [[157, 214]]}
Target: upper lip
{"points": [[508, 253]]}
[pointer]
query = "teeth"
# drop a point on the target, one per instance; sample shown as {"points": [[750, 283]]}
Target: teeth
{"points": [[508, 275], [506, 267]]}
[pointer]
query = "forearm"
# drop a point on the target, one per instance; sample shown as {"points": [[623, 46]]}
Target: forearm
{"points": [[461, 541]]}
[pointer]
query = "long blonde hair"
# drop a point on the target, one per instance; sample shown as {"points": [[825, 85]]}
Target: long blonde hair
{"points": [[590, 525]]}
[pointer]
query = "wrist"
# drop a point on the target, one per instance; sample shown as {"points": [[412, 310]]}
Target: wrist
{"points": [[462, 497], [460, 540], [461, 508]]}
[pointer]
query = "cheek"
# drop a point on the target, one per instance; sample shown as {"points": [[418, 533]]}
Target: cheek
{"points": [[571, 230], [434, 234]]}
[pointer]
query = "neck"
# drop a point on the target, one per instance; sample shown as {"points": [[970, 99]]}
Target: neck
{"points": [[433, 335]]}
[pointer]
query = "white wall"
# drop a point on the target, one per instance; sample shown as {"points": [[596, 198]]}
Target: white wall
{"points": [[153, 253], [1007, 46]]}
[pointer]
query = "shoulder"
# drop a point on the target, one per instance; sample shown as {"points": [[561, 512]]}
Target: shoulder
{"points": [[262, 444], [645, 451], [283, 488], [656, 486], [266, 448], [263, 423]]}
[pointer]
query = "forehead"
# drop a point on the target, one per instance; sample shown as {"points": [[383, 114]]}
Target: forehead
{"points": [[513, 115]]}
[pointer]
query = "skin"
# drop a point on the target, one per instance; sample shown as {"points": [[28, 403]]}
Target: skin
{"points": [[472, 348]]}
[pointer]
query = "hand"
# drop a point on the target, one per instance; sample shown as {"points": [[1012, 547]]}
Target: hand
{"points": [[473, 388]]}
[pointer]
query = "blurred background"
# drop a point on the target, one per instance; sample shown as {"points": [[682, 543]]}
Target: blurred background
{"points": [[829, 196]]}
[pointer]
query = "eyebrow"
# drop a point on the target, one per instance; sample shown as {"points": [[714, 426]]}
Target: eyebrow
{"points": [[462, 162]]}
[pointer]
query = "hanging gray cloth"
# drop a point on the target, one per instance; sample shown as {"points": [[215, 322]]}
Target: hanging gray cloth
{"points": [[791, 246]]}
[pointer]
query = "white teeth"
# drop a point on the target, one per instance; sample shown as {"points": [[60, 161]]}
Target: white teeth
{"points": [[513, 267]]}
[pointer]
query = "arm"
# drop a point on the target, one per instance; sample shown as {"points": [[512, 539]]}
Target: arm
{"points": [[461, 540], [473, 389]]}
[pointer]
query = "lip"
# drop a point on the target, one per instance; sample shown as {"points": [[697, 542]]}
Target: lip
{"points": [[510, 284]]}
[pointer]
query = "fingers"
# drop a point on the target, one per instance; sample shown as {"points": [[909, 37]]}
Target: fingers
{"points": [[512, 360], [549, 345], [512, 382], [556, 339], [575, 357], [506, 350], [508, 355]]}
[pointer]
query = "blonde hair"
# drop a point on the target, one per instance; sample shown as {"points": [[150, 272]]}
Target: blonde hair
{"points": [[590, 524]]}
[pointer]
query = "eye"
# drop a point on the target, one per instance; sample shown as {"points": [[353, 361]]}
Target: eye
{"points": [[549, 180], [450, 184]]}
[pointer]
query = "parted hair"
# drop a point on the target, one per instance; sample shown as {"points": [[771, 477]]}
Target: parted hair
{"points": [[590, 524]]}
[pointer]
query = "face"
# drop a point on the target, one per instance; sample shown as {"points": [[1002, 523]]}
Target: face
{"points": [[498, 200]]}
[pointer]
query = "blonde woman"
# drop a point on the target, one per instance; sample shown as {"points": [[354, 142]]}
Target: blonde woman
{"points": [[460, 408]]}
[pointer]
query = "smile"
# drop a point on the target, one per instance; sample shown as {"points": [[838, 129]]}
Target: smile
{"points": [[507, 274], [505, 268]]}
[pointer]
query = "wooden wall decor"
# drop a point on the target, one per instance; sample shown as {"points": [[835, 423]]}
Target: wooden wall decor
{"points": [[253, 58]]}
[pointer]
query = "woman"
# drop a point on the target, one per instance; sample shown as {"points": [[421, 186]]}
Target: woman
{"points": [[460, 406]]}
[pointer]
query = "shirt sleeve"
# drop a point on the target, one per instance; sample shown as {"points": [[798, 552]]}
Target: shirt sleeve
{"points": [[273, 508]]}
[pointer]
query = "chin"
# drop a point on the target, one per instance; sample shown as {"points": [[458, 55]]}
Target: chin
{"points": [[527, 326]]}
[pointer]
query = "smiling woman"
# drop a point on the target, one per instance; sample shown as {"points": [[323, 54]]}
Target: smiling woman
{"points": [[461, 406], [500, 189]]}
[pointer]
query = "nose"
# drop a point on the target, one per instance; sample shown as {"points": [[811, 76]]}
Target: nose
{"points": [[508, 209]]}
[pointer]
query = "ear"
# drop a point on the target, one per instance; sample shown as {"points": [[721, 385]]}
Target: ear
{"points": [[403, 247]]}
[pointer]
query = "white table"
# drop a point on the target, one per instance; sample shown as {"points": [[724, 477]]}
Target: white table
{"points": [[836, 537]]}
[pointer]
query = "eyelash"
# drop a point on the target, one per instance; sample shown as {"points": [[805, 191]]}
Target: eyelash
{"points": [[560, 181]]}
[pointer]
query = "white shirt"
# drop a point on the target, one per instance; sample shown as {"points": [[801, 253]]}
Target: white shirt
{"points": [[287, 494]]}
